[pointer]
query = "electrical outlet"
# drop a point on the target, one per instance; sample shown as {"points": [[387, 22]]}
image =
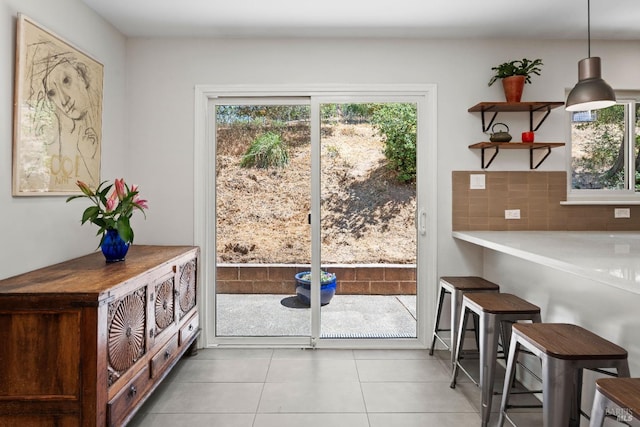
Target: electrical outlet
{"points": [[622, 213], [512, 214], [476, 182]]}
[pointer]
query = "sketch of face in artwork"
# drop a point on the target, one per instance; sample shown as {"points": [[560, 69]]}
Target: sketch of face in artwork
{"points": [[61, 116], [66, 86]]}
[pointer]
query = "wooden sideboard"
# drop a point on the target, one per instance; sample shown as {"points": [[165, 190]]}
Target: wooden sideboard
{"points": [[84, 343]]}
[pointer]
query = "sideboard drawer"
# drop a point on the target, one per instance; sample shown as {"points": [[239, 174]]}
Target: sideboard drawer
{"points": [[164, 357], [128, 397], [189, 329]]}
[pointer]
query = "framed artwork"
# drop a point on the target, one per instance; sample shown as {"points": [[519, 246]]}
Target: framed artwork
{"points": [[57, 130]]}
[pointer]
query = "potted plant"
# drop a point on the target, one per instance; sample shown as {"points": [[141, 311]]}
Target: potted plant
{"points": [[514, 75], [111, 213], [327, 287]]}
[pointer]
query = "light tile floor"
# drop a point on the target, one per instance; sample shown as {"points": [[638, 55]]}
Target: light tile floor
{"points": [[337, 388]]}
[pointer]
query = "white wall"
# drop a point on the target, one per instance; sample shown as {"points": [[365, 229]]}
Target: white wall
{"points": [[38, 231], [161, 76], [149, 103], [567, 298]]}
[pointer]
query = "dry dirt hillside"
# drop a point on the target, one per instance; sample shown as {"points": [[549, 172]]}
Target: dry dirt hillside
{"points": [[262, 214]]}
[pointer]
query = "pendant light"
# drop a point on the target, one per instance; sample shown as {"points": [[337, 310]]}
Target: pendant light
{"points": [[591, 92]]}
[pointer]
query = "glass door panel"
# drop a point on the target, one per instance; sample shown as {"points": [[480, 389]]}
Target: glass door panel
{"points": [[262, 206], [368, 210]]}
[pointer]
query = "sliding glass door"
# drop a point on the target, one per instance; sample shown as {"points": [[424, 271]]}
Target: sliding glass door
{"points": [[263, 200], [367, 219], [318, 220]]}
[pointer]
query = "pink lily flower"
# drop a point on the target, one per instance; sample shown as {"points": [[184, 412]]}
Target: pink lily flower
{"points": [[84, 188], [112, 201], [141, 203], [120, 188]]}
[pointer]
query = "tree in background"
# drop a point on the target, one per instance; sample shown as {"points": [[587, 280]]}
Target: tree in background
{"points": [[397, 124], [601, 161]]}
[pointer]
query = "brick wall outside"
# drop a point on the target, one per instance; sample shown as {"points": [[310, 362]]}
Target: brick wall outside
{"points": [[538, 195], [353, 280]]}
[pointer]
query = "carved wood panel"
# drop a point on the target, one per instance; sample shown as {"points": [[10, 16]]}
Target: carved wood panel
{"points": [[126, 335], [164, 305], [187, 296]]}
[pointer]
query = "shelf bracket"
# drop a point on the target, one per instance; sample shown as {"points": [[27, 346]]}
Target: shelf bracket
{"points": [[542, 119], [493, 156], [542, 159], [485, 128]]}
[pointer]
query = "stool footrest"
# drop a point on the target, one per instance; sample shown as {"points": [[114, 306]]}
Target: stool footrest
{"points": [[444, 343], [584, 414], [602, 371], [469, 355], [523, 406], [523, 392], [533, 374]]}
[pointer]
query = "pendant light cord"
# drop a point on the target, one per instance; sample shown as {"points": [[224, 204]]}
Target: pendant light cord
{"points": [[589, 28]]}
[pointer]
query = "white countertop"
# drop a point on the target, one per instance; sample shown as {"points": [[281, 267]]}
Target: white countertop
{"points": [[609, 257]]}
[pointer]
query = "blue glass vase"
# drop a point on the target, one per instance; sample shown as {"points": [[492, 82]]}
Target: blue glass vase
{"points": [[113, 247]]}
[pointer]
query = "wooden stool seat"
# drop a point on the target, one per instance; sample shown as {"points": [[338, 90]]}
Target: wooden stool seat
{"points": [[570, 342], [456, 287], [470, 283], [502, 303], [624, 393]]}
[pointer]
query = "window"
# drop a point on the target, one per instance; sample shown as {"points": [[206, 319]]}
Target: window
{"points": [[604, 165]]}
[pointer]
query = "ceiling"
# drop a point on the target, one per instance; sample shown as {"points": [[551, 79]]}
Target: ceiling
{"points": [[539, 19]]}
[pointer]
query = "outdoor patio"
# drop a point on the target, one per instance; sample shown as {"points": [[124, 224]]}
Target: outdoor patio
{"points": [[346, 316]]}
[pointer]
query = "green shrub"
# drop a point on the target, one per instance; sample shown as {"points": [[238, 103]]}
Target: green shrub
{"points": [[265, 151], [397, 123]]}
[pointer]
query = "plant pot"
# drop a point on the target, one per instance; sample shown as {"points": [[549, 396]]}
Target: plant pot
{"points": [[303, 289], [513, 87], [113, 247]]}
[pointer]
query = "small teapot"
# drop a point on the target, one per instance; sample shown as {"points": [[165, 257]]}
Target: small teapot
{"points": [[501, 136]]}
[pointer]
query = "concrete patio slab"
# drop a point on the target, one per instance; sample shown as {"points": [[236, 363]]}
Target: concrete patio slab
{"points": [[346, 316]]}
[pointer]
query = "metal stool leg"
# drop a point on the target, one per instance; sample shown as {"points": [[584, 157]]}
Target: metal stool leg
{"points": [[461, 327], [436, 326], [556, 409], [600, 403], [489, 332], [456, 313], [574, 418], [510, 375], [622, 369]]}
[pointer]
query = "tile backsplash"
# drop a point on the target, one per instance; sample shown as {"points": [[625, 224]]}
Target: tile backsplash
{"points": [[537, 195]]}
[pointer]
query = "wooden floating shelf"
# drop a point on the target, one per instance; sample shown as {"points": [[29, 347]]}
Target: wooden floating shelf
{"points": [[544, 107], [514, 106], [517, 145], [533, 147]]}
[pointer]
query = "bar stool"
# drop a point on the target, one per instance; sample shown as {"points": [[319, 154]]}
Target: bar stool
{"points": [[456, 287], [493, 309], [565, 350], [617, 397]]}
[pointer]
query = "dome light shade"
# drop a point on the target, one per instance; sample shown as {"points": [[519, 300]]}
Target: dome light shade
{"points": [[591, 92]]}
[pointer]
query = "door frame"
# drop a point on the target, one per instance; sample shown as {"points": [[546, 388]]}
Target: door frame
{"points": [[426, 190]]}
